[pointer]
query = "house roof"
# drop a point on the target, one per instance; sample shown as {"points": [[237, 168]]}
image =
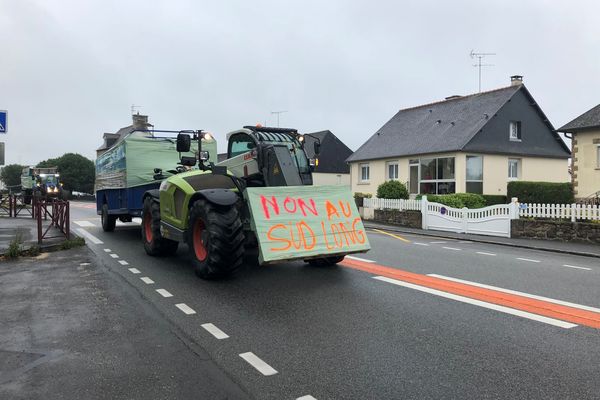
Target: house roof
{"points": [[119, 135], [587, 120], [333, 155], [444, 126]]}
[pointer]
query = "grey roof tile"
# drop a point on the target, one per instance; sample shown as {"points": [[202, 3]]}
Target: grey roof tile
{"points": [[589, 119]]}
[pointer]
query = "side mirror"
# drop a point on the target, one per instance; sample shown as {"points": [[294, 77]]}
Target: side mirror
{"points": [[184, 142], [204, 155], [317, 148]]}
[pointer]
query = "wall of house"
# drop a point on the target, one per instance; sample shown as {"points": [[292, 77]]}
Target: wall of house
{"points": [[586, 171], [331, 179]]}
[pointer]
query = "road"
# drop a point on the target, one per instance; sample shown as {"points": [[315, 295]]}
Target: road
{"points": [[416, 317]]}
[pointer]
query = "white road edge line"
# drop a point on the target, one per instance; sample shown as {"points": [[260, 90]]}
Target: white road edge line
{"points": [[259, 364], [113, 255], [307, 397], [134, 271], [85, 224], [107, 250], [147, 280], [528, 259], [185, 308], [123, 262], [451, 248], [576, 267], [420, 244], [216, 332], [438, 242], [164, 293], [519, 313], [89, 236], [531, 296], [360, 259], [485, 254]]}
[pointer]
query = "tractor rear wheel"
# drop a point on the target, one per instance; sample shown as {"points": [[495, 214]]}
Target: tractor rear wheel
{"points": [[326, 261], [154, 243], [108, 221], [215, 239]]}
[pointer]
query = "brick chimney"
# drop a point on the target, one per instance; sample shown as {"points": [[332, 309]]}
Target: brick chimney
{"points": [[140, 121], [516, 80]]}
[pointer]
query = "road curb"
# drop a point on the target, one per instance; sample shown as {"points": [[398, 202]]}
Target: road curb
{"points": [[439, 234]]}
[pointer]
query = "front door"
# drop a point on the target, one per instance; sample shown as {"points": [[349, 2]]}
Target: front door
{"points": [[414, 179]]}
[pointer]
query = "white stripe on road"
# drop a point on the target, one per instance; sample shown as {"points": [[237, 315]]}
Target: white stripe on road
{"points": [[123, 262], [216, 332], [113, 255], [164, 293], [576, 267], [107, 250], [485, 254], [528, 259], [420, 244], [524, 314], [134, 271], [451, 248], [531, 296], [259, 364], [89, 236], [465, 241], [360, 259], [85, 224], [185, 308], [437, 242], [307, 397], [84, 264], [147, 280]]}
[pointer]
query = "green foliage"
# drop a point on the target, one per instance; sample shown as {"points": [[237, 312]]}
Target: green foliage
{"points": [[33, 251], [76, 172], [11, 174], [541, 192], [392, 190], [14, 248], [491, 199], [359, 197], [75, 242], [459, 200]]}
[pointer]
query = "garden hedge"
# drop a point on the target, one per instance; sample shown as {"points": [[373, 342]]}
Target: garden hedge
{"points": [[541, 192]]}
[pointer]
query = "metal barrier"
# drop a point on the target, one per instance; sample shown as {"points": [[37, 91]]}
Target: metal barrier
{"points": [[58, 211], [5, 205]]}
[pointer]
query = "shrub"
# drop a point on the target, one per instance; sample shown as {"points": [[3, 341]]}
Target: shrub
{"points": [[359, 198], [541, 192], [392, 190], [491, 199], [75, 242], [471, 200], [450, 200], [14, 248]]}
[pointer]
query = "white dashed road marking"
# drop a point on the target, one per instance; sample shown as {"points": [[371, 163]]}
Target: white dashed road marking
{"points": [[465, 241], [185, 308], [420, 244], [576, 267], [83, 264], [89, 236], [216, 332], [107, 250], [113, 255], [531, 296], [164, 293], [491, 306], [147, 280], [360, 259], [134, 271], [259, 364], [485, 254], [85, 224], [123, 262], [437, 242], [307, 397], [451, 248], [528, 259]]}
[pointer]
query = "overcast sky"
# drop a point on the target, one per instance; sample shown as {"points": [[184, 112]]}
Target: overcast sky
{"points": [[72, 69]]}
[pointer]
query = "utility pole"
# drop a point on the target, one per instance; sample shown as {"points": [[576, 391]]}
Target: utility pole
{"points": [[278, 114], [479, 56]]}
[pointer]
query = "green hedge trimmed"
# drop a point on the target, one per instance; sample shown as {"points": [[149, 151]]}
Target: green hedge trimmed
{"points": [[541, 192], [392, 190], [491, 199], [459, 200], [359, 198]]}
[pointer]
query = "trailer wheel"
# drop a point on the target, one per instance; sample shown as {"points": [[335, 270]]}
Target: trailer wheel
{"points": [[108, 221], [215, 239], [325, 261], [154, 243]]}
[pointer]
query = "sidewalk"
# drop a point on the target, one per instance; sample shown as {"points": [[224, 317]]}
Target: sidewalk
{"points": [[575, 248], [27, 228], [71, 329]]}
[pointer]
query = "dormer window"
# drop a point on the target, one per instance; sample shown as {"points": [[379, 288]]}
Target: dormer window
{"points": [[515, 131]]}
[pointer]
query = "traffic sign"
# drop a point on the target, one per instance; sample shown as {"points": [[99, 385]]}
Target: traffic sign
{"points": [[3, 121]]}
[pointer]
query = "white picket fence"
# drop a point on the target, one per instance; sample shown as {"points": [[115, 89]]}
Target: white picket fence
{"points": [[573, 212], [393, 204]]}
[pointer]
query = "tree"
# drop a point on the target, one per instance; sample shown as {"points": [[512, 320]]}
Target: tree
{"points": [[392, 190], [76, 171], [11, 174]]}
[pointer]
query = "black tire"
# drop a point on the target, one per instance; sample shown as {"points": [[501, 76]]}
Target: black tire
{"points": [[108, 221], [215, 239], [154, 243], [325, 261]]}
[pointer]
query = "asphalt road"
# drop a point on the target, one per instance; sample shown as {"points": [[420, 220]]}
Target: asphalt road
{"points": [[338, 333]]}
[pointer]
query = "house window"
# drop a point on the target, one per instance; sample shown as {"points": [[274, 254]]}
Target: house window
{"points": [[598, 157], [513, 168], [475, 174], [515, 130], [437, 176], [364, 172], [392, 172]]}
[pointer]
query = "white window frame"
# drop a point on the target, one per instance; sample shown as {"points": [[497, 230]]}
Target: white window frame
{"points": [[467, 175], [436, 181], [367, 167], [518, 167], [515, 126], [396, 170]]}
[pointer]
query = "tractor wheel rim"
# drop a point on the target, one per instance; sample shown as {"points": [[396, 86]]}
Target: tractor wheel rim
{"points": [[148, 227], [198, 241]]}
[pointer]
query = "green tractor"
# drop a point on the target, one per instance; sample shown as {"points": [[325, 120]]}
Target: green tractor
{"points": [[207, 207]]}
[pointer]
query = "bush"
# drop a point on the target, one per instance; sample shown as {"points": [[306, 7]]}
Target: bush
{"points": [[392, 190], [471, 200], [14, 248], [450, 200], [541, 192], [491, 199], [359, 197]]}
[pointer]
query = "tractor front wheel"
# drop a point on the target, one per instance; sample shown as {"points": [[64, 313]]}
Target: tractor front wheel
{"points": [[215, 239], [154, 243]]}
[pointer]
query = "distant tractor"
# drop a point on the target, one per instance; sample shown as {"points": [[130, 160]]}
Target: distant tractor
{"points": [[41, 183]]}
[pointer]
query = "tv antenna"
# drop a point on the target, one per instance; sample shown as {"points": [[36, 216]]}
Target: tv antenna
{"points": [[133, 109], [278, 114], [479, 57]]}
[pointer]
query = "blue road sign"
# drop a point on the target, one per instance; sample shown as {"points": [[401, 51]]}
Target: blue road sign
{"points": [[3, 121]]}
